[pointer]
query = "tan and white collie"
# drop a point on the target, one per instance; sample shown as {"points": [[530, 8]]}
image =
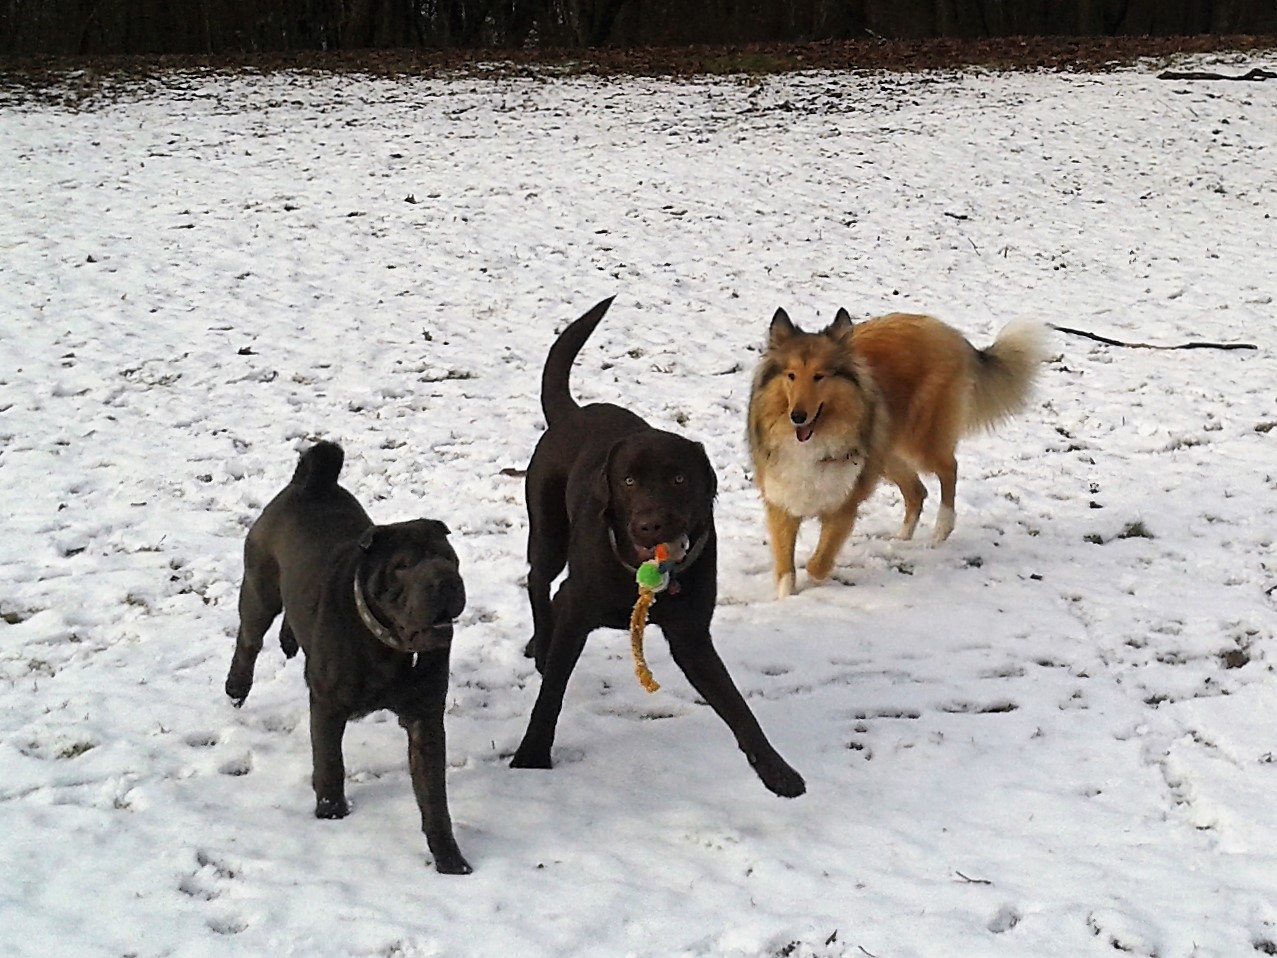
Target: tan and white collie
{"points": [[831, 413]]}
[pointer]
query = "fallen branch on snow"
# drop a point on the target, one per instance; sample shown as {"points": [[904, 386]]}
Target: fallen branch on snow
{"points": [[1117, 342], [1259, 73]]}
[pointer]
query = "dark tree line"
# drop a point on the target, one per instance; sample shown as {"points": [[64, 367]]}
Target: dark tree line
{"points": [[262, 26]]}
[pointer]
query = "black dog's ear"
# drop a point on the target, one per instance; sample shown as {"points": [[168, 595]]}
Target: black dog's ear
{"points": [[365, 540], [781, 329], [711, 477], [842, 325], [432, 527]]}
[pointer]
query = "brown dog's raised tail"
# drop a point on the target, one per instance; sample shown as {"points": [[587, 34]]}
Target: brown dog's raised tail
{"points": [[556, 398], [319, 467]]}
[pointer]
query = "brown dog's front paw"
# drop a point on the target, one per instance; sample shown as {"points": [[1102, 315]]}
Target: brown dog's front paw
{"points": [[331, 808], [451, 862], [526, 757], [779, 778]]}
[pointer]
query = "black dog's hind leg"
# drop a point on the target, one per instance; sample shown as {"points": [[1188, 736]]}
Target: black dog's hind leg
{"points": [[428, 764], [259, 604], [694, 653], [561, 657], [329, 776]]}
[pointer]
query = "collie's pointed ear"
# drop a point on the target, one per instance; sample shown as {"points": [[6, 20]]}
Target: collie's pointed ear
{"points": [[841, 326], [780, 329]]}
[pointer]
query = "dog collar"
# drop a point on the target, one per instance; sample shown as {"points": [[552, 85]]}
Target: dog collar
{"points": [[693, 554], [370, 621]]}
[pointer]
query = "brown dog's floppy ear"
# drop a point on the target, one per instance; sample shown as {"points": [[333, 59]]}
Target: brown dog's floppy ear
{"points": [[602, 484], [842, 325], [711, 477], [780, 329], [365, 540]]}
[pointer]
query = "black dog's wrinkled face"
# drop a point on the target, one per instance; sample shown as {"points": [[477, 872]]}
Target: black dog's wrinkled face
{"points": [[657, 487], [413, 582]]}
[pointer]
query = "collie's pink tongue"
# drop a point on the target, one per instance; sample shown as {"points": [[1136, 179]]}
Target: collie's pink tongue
{"points": [[803, 433]]}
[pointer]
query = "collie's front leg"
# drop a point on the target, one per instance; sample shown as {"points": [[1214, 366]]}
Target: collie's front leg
{"points": [[783, 531], [835, 528]]}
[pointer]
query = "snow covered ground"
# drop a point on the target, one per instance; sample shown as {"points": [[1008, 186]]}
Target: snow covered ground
{"points": [[1054, 735]]}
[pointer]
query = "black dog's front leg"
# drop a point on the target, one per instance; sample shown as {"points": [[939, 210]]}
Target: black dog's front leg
{"points": [[694, 653], [329, 777], [564, 651], [428, 764]]}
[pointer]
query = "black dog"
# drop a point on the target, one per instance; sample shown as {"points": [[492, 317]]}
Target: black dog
{"points": [[372, 607], [604, 489]]}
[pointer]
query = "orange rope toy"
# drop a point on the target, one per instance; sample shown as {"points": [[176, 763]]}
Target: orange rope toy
{"points": [[653, 576]]}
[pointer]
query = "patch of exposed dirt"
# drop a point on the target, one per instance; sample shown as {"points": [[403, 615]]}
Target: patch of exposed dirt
{"points": [[89, 78]]}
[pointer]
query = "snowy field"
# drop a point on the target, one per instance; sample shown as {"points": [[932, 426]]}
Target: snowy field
{"points": [[1054, 735]]}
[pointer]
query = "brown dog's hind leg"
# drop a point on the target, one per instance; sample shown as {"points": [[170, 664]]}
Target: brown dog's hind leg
{"points": [[695, 654], [913, 491], [329, 775], [428, 765], [259, 604], [561, 657], [547, 557], [782, 529], [287, 639]]}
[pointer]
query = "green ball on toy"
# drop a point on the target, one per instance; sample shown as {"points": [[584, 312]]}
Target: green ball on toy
{"points": [[650, 576]]}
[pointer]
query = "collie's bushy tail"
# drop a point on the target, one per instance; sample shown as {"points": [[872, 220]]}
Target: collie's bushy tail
{"points": [[1005, 373]]}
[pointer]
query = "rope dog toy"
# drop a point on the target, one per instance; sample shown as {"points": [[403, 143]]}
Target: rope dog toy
{"points": [[653, 576]]}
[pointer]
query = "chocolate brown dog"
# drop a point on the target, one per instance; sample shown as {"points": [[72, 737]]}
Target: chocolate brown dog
{"points": [[372, 607], [604, 488]]}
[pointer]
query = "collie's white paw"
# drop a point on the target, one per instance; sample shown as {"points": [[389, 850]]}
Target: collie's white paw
{"points": [[944, 525], [785, 586]]}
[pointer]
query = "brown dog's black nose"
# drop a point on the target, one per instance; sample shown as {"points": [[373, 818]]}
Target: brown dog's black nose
{"points": [[650, 528], [798, 417]]}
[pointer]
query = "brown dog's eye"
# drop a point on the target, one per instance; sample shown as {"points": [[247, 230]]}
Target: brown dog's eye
{"points": [[629, 480], [818, 377], [679, 479], [790, 376]]}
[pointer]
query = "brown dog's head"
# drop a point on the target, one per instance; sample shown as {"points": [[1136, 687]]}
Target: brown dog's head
{"points": [[656, 487], [411, 582]]}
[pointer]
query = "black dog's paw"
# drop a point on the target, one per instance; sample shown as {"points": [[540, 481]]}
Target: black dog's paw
{"points": [[526, 757], [530, 650], [237, 688], [779, 778], [331, 808]]}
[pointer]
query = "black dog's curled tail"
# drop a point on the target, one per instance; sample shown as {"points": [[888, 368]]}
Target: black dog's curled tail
{"points": [[319, 467], [556, 398]]}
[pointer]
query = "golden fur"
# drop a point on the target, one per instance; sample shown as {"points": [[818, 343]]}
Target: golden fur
{"points": [[831, 413]]}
